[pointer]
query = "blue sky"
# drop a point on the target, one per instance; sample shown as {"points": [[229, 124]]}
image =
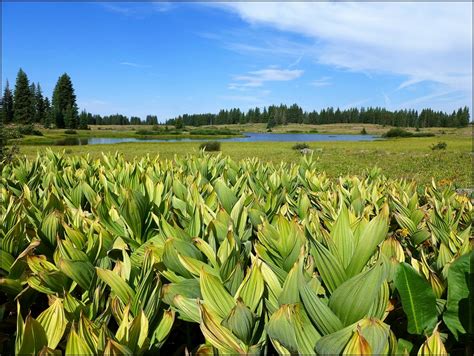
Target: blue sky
{"points": [[173, 58]]}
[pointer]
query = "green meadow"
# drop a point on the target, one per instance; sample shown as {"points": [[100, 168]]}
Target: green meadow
{"points": [[410, 158]]}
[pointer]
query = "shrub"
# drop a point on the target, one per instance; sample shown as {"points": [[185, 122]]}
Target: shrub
{"points": [[210, 146], [12, 133], [439, 146], [154, 132], [399, 132], [300, 146], [213, 131], [29, 130], [70, 132]]}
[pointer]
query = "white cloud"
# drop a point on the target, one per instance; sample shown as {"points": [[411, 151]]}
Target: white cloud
{"points": [[421, 41], [259, 77], [321, 82]]}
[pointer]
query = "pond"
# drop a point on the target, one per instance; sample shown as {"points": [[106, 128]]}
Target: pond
{"points": [[249, 137]]}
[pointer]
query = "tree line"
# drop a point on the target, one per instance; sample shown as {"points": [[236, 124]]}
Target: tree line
{"points": [[283, 114], [27, 104]]}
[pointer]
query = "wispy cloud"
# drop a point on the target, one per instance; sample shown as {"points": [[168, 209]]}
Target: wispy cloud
{"points": [[138, 10], [321, 82], [296, 62], [135, 65], [419, 41], [259, 77]]}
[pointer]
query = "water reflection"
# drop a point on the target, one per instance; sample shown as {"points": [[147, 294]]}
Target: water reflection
{"points": [[72, 141], [249, 137]]}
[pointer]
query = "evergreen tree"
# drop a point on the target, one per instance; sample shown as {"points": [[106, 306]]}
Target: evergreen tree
{"points": [[151, 120], [40, 105], [64, 103], [22, 100], [179, 124], [33, 100], [48, 118], [83, 120], [70, 117], [7, 104]]}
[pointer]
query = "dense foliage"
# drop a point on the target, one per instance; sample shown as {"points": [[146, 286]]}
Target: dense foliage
{"points": [[282, 114], [28, 105], [116, 257]]}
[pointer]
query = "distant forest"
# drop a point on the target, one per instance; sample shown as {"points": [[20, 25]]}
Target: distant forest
{"points": [[26, 104], [282, 115]]}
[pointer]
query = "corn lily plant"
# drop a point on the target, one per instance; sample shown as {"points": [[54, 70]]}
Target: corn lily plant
{"points": [[210, 256]]}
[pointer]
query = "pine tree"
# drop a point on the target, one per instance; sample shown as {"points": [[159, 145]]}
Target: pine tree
{"points": [[7, 104], [70, 117], [83, 120], [48, 119], [64, 103], [22, 100], [33, 101], [40, 105]]}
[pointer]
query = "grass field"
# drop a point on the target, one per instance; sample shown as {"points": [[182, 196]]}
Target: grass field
{"points": [[410, 158]]}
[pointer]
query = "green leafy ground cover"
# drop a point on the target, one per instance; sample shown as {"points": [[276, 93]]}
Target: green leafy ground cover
{"points": [[202, 253]]}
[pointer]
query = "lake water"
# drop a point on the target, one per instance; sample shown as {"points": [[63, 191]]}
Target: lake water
{"points": [[249, 137]]}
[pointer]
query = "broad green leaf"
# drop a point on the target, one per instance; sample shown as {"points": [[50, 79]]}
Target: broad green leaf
{"points": [[418, 299], [291, 327], [215, 296], [353, 299], [240, 321], [320, 314], [138, 333], [226, 195], [164, 327], [53, 320], [371, 236], [81, 272], [459, 315], [117, 284], [342, 237], [332, 272], [219, 336], [252, 288], [33, 338], [188, 308], [433, 346]]}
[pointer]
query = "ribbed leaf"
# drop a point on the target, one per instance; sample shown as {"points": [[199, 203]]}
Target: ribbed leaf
{"points": [[81, 272], [353, 299], [371, 236], [418, 299], [77, 346], [226, 195], [33, 338], [240, 321], [459, 315], [117, 284], [164, 327], [320, 314], [217, 299], [332, 272], [251, 289], [219, 336], [53, 320]]}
